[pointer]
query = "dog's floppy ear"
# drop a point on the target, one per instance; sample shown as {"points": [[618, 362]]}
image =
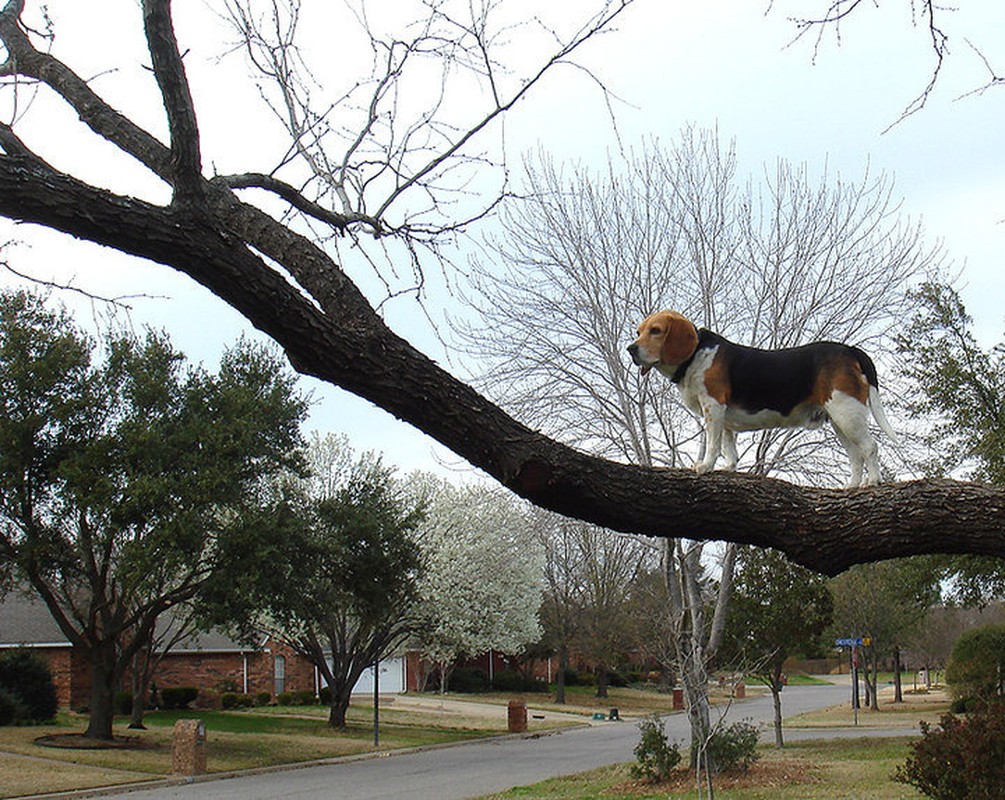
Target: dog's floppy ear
{"points": [[680, 341]]}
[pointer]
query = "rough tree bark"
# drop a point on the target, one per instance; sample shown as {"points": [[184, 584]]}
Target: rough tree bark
{"points": [[329, 330]]}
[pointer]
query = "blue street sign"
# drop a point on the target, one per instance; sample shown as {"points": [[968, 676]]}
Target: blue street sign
{"points": [[847, 642]]}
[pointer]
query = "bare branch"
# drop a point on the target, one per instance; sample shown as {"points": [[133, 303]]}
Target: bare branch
{"points": [[116, 302], [994, 80], [840, 10]]}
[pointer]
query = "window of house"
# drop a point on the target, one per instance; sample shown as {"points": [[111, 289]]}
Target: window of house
{"points": [[279, 671]]}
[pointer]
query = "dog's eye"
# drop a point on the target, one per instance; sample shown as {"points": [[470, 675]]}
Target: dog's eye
{"points": [[655, 330]]}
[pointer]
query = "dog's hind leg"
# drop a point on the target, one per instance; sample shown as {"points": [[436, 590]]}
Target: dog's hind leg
{"points": [[850, 419]]}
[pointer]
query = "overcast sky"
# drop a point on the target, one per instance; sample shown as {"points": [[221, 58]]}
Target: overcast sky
{"points": [[718, 63]]}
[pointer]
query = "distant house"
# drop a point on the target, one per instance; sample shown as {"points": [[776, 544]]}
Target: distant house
{"points": [[212, 662]]}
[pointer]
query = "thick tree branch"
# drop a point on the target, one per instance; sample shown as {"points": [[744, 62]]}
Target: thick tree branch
{"points": [[329, 330], [23, 59], [826, 530], [169, 70], [256, 180]]}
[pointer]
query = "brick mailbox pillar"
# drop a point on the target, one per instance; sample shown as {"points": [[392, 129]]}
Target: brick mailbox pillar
{"points": [[740, 690], [517, 716], [678, 699], [188, 752]]}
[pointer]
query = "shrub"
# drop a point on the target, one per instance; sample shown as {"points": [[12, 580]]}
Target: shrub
{"points": [[27, 679], [508, 681], [961, 759], [512, 681], [976, 667], [617, 679], [655, 756], [284, 699], [964, 705], [468, 680], [123, 703], [325, 695], [178, 697], [263, 698], [575, 678], [10, 708], [733, 748], [229, 700], [206, 698], [305, 697]]}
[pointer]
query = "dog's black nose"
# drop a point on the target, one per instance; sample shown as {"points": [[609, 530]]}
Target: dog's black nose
{"points": [[633, 348]]}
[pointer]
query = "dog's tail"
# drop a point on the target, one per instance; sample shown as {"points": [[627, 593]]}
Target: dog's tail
{"points": [[875, 404], [876, 407]]}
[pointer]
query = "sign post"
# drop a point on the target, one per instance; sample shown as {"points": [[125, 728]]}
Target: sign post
{"points": [[376, 701], [854, 644]]}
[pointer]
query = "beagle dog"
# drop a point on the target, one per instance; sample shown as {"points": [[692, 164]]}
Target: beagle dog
{"points": [[737, 388]]}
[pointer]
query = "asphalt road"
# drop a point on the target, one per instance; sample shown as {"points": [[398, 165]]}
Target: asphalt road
{"points": [[478, 768]]}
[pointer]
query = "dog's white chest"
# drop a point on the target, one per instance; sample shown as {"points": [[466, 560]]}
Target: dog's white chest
{"points": [[692, 385]]}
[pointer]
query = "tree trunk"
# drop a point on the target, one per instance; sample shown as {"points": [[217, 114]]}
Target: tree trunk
{"points": [[898, 689], [603, 678], [699, 717], [338, 709], [139, 691], [872, 679], [104, 682], [776, 698], [563, 666]]}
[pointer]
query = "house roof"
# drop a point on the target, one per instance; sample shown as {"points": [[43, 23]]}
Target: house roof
{"points": [[25, 621]]}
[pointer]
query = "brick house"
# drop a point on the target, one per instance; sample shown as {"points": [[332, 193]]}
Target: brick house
{"points": [[212, 662]]}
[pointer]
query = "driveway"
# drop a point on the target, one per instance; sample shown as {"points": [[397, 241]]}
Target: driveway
{"points": [[477, 768]]}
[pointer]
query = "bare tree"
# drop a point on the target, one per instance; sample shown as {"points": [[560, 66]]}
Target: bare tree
{"points": [[562, 596], [272, 269], [587, 256]]}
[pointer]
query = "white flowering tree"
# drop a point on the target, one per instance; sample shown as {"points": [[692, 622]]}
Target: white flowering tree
{"points": [[481, 589]]}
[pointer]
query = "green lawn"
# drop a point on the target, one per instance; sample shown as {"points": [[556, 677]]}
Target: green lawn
{"points": [[235, 740], [795, 680]]}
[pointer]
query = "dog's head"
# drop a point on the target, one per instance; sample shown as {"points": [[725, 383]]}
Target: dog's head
{"points": [[666, 339]]}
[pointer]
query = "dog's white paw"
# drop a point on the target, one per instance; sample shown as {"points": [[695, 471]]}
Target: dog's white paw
{"points": [[703, 466]]}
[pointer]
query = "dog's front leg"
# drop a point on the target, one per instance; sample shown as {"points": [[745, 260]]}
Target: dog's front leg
{"points": [[714, 418], [729, 450]]}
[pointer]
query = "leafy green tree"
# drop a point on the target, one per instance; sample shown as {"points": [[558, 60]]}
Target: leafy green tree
{"points": [[959, 382], [344, 589], [778, 608], [121, 480], [962, 386], [884, 602]]}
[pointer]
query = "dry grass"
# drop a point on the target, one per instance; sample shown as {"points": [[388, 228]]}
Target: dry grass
{"points": [[629, 701], [856, 769], [21, 775], [926, 706]]}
